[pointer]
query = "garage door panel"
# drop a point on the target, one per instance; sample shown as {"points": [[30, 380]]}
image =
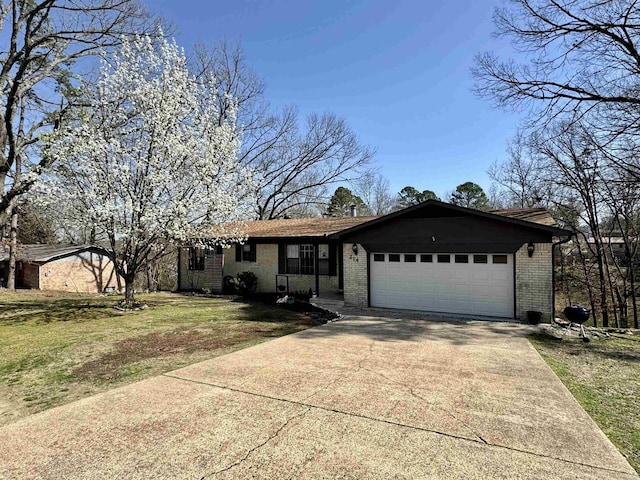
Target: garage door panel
{"points": [[467, 288]]}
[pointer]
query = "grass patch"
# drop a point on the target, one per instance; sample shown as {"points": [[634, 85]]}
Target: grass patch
{"points": [[59, 347], [603, 376]]}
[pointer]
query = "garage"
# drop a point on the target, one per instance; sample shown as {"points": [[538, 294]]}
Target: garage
{"points": [[460, 283], [442, 258]]}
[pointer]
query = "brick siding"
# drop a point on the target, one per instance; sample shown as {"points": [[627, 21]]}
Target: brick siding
{"points": [[356, 292], [210, 278], [266, 267], [87, 272], [534, 281]]}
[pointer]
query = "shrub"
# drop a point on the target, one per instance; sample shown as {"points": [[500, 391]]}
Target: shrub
{"points": [[247, 282]]}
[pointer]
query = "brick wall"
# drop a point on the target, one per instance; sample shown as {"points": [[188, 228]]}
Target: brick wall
{"points": [[210, 278], [534, 281], [355, 277], [87, 272], [266, 267]]}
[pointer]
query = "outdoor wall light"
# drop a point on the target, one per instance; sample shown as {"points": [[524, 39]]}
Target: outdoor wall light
{"points": [[530, 249], [354, 247]]}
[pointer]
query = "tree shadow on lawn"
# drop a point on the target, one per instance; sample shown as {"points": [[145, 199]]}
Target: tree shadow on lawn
{"points": [[299, 313], [62, 310], [617, 348]]}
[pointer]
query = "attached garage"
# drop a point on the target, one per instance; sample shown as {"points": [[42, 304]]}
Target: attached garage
{"points": [[465, 283], [442, 258]]}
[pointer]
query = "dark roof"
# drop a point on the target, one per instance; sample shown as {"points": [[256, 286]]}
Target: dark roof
{"points": [[299, 227], [536, 218], [336, 226], [40, 253]]}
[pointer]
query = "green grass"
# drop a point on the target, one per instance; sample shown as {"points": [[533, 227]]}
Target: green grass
{"points": [[56, 348], [604, 376]]}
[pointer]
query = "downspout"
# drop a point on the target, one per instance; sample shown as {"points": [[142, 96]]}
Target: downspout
{"points": [[553, 271]]}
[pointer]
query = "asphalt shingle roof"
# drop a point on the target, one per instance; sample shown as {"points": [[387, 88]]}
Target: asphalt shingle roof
{"points": [[325, 226], [39, 253]]}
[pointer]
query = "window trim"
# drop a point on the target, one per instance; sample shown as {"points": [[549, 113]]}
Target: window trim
{"points": [[299, 259], [408, 256], [500, 256], [443, 256], [248, 254], [394, 258], [478, 256], [426, 258], [378, 257], [461, 258]]}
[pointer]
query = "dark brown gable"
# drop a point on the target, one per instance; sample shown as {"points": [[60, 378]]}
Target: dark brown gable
{"points": [[439, 227], [445, 234]]}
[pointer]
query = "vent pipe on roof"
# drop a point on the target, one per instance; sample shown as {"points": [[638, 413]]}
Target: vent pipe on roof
{"points": [[354, 212]]}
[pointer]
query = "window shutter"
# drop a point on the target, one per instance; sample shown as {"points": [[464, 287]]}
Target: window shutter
{"points": [[238, 252], [252, 252], [333, 260], [282, 258]]}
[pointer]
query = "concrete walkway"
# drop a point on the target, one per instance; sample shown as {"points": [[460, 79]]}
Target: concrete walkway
{"points": [[363, 398]]}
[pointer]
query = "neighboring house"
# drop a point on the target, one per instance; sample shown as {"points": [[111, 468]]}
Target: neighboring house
{"points": [[432, 257], [613, 246], [83, 268]]}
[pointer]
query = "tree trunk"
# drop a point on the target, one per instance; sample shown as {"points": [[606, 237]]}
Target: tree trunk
{"points": [[148, 269], [13, 247], [634, 306], [587, 279], [129, 299]]}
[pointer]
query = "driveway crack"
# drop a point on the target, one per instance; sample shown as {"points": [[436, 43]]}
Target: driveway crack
{"points": [[343, 376], [381, 420], [466, 425], [415, 395], [257, 447]]}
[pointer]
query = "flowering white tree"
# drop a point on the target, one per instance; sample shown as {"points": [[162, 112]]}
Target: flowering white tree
{"points": [[148, 163]]}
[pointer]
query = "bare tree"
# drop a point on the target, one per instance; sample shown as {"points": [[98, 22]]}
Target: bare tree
{"points": [[41, 42], [375, 191], [296, 163], [519, 177], [575, 169], [580, 55]]}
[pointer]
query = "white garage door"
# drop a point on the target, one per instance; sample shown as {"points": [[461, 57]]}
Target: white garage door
{"points": [[474, 284]]}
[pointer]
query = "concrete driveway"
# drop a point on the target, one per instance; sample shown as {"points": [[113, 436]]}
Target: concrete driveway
{"points": [[363, 398]]}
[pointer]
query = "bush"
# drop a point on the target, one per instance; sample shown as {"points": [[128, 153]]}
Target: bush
{"points": [[247, 283]]}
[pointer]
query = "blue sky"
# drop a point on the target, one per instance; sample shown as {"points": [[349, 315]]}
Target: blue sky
{"points": [[397, 71]]}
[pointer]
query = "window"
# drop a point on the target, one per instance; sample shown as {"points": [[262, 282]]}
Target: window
{"points": [[306, 260], [479, 259], [378, 257], [196, 258], [293, 259], [500, 259], [394, 257], [246, 252], [323, 259], [426, 258], [301, 259], [409, 258], [462, 258], [444, 258]]}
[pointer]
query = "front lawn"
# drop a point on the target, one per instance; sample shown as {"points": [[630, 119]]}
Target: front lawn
{"points": [[56, 348], [604, 376]]}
